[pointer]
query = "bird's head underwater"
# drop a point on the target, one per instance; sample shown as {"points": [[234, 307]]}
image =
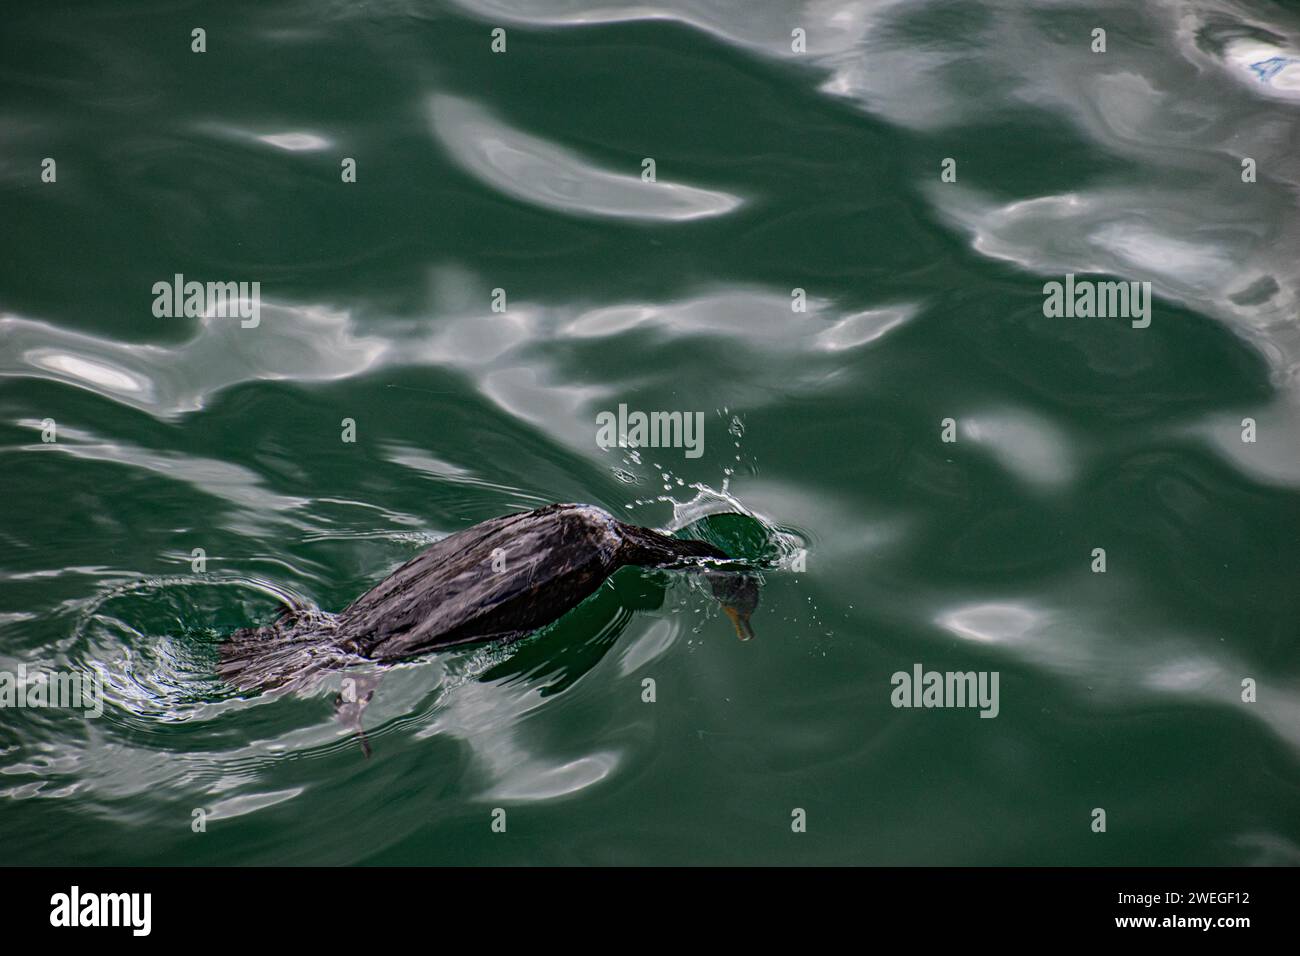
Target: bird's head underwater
{"points": [[738, 595]]}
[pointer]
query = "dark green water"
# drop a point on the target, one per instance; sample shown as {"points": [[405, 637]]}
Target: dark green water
{"points": [[521, 171]]}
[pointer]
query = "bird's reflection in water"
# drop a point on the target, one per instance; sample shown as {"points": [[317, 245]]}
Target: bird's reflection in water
{"points": [[559, 655]]}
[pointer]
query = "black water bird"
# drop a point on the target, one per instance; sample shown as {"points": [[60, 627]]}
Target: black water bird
{"points": [[499, 580]]}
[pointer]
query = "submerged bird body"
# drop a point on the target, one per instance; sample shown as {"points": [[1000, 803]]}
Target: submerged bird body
{"points": [[503, 579], [499, 580]]}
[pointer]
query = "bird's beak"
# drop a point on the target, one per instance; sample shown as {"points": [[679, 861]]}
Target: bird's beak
{"points": [[741, 621]]}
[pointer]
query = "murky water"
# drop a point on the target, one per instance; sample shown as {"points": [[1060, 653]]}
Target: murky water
{"points": [[500, 273]]}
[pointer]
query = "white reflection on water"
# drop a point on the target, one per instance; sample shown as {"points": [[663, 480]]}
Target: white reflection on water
{"points": [[295, 142], [250, 803], [1268, 67], [519, 360], [1116, 660], [1272, 457], [291, 141], [653, 643], [1186, 88], [861, 328], [535, 170], [98, 374], [1237, 267], [303, 343], [491, 719], [1028, 445], [240, 486]]}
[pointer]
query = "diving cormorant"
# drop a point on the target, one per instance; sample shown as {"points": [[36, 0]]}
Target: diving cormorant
{"points": [[498, 580]]}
